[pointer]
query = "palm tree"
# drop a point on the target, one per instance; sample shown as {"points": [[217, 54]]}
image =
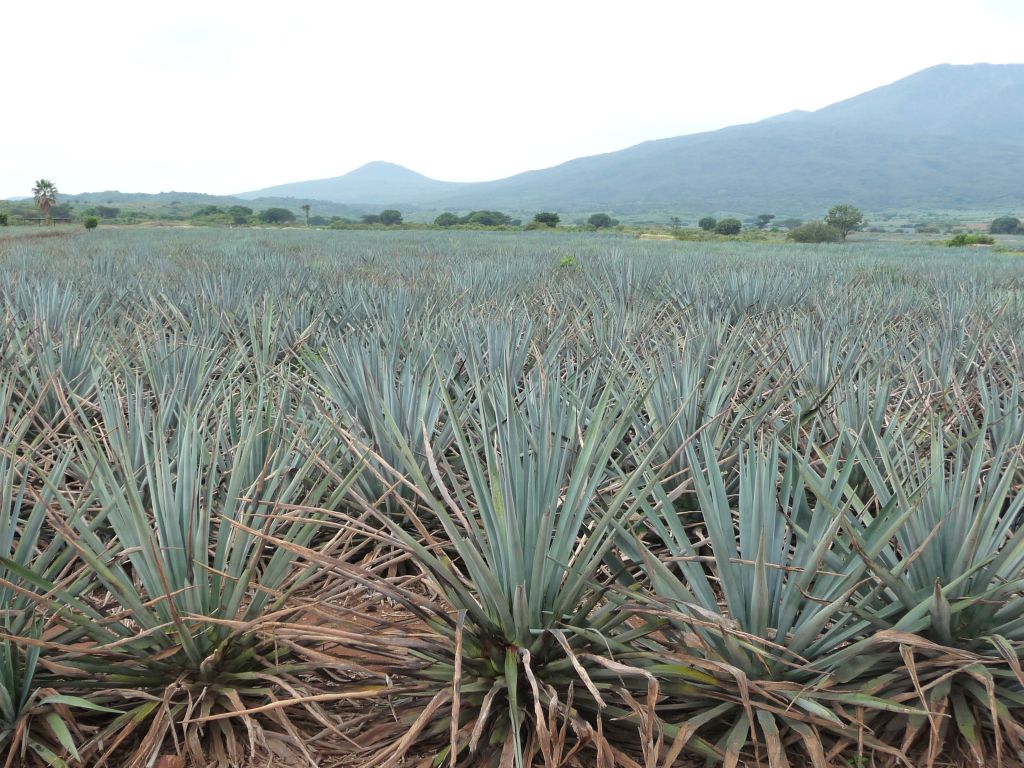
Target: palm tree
{"points": [[305, 209], [45, 194]]}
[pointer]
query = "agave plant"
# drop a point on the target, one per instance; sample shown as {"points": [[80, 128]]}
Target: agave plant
{"points": [[37, 724], [383, 388], [712, 385], [767, 608], [524, 659], [173, 525], [945, 546]]}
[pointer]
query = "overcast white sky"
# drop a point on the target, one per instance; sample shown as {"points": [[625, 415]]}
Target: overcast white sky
{"points": [[225, 97]]}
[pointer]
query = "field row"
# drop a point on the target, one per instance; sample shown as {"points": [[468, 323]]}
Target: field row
{"points": [[487, 499]]}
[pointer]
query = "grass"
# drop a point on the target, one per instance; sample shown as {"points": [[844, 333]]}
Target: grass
{"points": [[492, 499]]}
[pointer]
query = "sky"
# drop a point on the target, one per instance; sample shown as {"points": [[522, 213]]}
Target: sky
{"points": [[224, 97]]}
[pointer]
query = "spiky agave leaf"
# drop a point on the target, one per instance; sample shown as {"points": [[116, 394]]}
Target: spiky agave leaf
{"points": [[382, 385], [37, 725], [945, 548], [535, 647], [192, 584], [765, 608]]}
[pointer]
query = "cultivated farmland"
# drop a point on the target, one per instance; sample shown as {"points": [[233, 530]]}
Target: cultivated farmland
{"points": [[420, 498]]}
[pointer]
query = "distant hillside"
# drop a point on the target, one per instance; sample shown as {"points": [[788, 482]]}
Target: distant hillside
{"points": [[948, 137], [374, 183]]}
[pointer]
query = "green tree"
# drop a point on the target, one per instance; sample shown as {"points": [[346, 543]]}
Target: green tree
{"points": [[371, 218], [62, 211], [844, 218], [601, 221], [45, 195], [763, 220], [1005, 225], [790, 223], [91, 222], [305, 210], [547, 218], [486, 218], [239, 214], [106, 212], [708, 223], [3, 219], [390, 217], [728, 227], [446, 220], [276, 216], [815, 232]]}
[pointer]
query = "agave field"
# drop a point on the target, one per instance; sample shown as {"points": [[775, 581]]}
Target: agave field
{"points": [[486, 499]]}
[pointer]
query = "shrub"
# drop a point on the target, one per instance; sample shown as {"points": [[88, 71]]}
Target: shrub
{"points": [[547, 218], [390, 217], [815, 232], [487, 219], [601, 221], [3, 220], [239, 214], [728, 227], [708, 223], [91, 222], [276, 216], [969, 239], [1006, 225], [446, 220]]}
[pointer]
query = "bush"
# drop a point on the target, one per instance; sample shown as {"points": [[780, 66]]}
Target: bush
{"points": [[728, 227], [91, 222], [1006, 225], [969, 239], [486, 218], [547, 218], [815, 232], [276, 216], [239, 214], [390, 217], [708, 223], [446, 220], [601, 221], [3, 220]]}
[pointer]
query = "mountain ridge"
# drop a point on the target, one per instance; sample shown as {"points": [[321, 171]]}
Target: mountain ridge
{"points": [[373, 182], [948, 136]]}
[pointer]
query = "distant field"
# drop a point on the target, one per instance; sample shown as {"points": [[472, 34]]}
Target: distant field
{"points": [[354, 497]]}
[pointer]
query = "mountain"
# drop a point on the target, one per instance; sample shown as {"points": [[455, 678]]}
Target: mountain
{"points": [[949, 137], [377, 182]]}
